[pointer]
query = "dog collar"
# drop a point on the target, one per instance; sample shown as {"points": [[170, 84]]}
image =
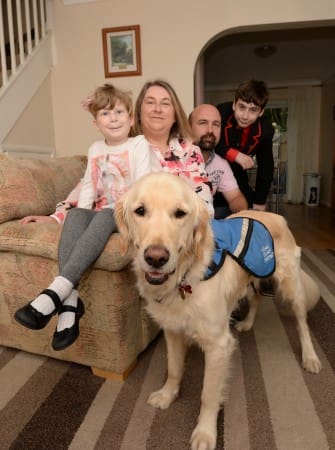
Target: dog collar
{"points": [[184, 288]]}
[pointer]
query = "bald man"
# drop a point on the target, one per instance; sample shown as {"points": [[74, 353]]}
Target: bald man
{"points": [[205, 121]]}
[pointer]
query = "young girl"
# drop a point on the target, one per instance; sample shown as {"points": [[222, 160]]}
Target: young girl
{"points": [[113, 165]]}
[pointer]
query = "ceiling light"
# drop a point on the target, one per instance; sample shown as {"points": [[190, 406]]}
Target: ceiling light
{"points": [[266, 50]]}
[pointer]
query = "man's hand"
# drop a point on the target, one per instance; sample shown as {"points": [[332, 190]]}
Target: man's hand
{"points": [[245, 161], [259, 207]]}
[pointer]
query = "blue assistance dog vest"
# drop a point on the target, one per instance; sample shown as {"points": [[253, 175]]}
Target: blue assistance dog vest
{"points": [[246, 240]]}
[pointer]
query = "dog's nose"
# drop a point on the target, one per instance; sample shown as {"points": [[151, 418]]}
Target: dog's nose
{"points": [[156, 256]]}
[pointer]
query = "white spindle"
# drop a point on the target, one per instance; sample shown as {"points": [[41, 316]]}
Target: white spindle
{"points": [[29, 16], [3, 52], [42, 15], [28, 26], [19, 30], [36, 30], [11, 36]]}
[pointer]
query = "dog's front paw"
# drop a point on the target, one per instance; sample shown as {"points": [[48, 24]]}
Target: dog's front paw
{"points": [[202, 439], [243, 325], [161, 399], [312, 364]]}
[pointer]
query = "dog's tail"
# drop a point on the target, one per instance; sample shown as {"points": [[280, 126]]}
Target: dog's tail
{"points": [[311, 290]]}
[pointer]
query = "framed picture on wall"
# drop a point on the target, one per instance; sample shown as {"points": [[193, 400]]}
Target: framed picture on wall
{"points": [[122, 51]]}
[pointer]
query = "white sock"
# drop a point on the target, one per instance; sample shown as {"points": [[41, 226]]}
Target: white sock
{"points": [[43, 302], [67, 318]]}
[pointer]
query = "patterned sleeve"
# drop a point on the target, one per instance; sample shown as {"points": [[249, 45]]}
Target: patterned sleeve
{"points": [[70, 202], [202, 185], [186, 161]]}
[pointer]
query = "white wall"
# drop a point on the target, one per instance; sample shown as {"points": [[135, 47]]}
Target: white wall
{"points": [[172, 36], [35, 129]]}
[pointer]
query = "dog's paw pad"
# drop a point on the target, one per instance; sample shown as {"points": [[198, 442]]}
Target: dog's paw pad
{"points": [[160, 399], [312, 365]]}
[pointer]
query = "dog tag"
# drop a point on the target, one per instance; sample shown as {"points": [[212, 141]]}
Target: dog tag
{"points": [[183, 289], [182, 292]]}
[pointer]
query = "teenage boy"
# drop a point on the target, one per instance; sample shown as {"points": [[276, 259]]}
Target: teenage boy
{"points": [[246, 133]]}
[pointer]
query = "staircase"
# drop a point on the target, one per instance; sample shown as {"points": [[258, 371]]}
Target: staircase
{"points": [[25, 56]]}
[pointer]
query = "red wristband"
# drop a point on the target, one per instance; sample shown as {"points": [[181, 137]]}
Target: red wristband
{"points": [[231, 154]]}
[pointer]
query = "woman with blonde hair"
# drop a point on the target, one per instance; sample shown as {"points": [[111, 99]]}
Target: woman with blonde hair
{"points": [[160, 117]]}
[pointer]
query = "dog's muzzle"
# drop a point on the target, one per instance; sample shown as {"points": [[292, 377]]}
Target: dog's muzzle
{"points": [[156, 256]]}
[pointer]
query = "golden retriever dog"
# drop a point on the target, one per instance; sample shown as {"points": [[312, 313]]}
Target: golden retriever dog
{"points": [[168, 228]]}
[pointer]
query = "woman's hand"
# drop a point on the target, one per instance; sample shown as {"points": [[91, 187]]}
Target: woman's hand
{"points": [[38, 219]]}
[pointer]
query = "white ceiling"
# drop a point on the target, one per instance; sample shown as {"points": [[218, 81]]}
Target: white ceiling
{"points": [[303, 56]]}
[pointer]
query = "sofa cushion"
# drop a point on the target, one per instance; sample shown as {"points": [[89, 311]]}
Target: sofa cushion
{"points": [[41, 239], [35, 186]]}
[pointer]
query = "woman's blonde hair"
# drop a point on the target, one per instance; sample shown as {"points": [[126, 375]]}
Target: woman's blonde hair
{"points": [[180, 128]]}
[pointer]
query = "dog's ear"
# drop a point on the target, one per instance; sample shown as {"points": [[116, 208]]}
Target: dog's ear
{"points": [[203, 236], [121, 222]]}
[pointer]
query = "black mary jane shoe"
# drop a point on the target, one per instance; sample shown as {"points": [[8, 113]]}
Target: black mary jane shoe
{"points": [[66, 337], [30, 318]]}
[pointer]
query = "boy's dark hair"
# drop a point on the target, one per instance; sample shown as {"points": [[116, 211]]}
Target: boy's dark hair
{"points": [[253, 91]]}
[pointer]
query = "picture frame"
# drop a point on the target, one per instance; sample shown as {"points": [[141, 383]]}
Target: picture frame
{"points": [[122, 51]]}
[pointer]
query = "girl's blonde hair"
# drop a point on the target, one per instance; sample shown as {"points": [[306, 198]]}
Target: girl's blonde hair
{"points": [[106, 96], [181, 128]]}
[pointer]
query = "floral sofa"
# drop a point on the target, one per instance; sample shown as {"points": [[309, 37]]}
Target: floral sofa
{"points": [[115, 327]]}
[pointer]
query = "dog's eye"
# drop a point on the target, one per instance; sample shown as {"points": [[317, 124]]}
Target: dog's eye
{"points": [[179, 214], [140, 211]]}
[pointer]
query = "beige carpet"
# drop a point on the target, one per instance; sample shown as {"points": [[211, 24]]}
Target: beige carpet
{"points": [[274, 403]]}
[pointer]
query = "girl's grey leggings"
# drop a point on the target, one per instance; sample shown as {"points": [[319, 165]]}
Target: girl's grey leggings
{"points": [[84, 235]]}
